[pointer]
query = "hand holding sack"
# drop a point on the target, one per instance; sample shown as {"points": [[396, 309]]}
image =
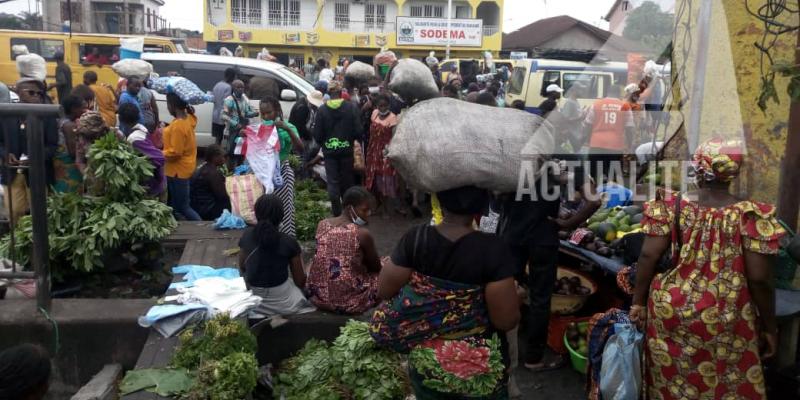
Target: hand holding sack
{"points": [[444, 143]]}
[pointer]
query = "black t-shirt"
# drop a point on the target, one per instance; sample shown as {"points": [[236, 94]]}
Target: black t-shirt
{"points": [[476, 259], [547, 106], [526, 222], [267, 268]]}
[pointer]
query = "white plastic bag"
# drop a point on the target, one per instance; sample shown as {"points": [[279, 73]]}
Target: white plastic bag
{"points": [[444, 143], [132, 67], [621, 371], [32, 66], [413, 80]]}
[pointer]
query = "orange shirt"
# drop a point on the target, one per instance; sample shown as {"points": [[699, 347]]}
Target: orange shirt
{"points": [[106, 104], [609, 118], [180, 147]]}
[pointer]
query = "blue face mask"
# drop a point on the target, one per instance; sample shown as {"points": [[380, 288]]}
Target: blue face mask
{"points": [[268, 122], [355, 218]]}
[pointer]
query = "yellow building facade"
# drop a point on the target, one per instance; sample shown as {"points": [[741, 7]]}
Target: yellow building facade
{"points": [[302, 29]]}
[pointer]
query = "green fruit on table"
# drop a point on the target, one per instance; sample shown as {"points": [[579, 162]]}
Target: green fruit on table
{"points": [[607, 231], [637, 218]]}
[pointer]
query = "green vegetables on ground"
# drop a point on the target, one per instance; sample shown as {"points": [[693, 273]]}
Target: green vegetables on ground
{"points": [[82, 229], [353, 367], [214, 340], [164, 382], [311, 205]]}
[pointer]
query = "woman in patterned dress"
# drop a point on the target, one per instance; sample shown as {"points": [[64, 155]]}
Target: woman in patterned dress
{"points": [[68, 178], [344, 274], [381, 177], [704, 318]]}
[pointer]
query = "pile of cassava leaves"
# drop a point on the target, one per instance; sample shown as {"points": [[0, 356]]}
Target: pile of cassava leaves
{"points": [[311, 205], [353, 367], [213, 362], [116, 213]]}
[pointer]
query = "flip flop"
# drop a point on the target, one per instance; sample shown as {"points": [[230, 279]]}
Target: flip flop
{"points": [[550, 365]]}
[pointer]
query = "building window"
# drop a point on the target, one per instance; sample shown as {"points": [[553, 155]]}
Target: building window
{"points": [[254, 12], [284, 12], [374, 16], [75, 18], [246, 11], [238, 10], [428, 11], [342, 18], [463, 12]]}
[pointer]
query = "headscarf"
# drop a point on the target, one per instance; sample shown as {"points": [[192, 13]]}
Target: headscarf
{"points": [[718, 160], [92, 126]]}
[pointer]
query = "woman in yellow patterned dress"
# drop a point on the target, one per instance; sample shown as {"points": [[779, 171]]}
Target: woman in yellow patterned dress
{"points": [[704, 318]]}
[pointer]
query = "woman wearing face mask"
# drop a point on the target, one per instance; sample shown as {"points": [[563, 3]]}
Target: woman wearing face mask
{"points": [[271, 114], [236, 112], [344, 274], [381, 178]]}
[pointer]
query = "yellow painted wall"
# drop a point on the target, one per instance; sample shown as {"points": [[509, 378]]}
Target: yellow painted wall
{"points": [[342, 43], [732, 87]]}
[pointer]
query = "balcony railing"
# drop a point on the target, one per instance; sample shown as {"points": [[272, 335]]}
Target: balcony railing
{"points": [[489, 30]]}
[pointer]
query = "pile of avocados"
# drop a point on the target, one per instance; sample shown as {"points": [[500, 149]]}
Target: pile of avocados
{"points": [[576, 337], [608, 226]]}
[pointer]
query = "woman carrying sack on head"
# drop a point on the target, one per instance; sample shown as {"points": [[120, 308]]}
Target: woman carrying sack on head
{"points": [[705, 316]]}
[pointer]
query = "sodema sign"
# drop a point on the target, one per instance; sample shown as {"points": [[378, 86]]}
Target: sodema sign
{"points": [[433, 32]]}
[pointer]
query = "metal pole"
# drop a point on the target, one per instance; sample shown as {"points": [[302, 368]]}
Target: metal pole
{"points": [[69, 14], [38, 187], [704, 33], [449, 18]]}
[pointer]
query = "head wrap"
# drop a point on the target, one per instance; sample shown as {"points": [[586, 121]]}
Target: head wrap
{"points": [[718, 160], [91, 125]]}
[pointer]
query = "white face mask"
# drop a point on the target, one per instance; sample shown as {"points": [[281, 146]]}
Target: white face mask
{"points": [[355, 218]]}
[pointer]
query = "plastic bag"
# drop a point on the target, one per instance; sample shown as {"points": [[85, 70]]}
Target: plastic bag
{"points": [[184, 88], [444, 143], [413, 80], [132, 67], [229, 221], [262, 152], [621, 372], [32, 66], [244, 190], [359, 72]]}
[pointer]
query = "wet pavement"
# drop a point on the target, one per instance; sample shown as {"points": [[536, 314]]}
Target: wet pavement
{"points": [[562, 384]]}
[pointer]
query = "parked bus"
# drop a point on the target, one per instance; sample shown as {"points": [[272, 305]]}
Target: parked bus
{"points": [[102, 51]]}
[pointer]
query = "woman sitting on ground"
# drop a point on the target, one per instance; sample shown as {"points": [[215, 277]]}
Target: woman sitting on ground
{"points": [[140, 139], [344, 274], [450, 287], [266, 258], [208, 193]]}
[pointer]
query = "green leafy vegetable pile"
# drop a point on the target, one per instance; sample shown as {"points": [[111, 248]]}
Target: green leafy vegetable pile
{"points": [[311, 205], [223, 354], [353, 367], [164, 382], [82, 229]]}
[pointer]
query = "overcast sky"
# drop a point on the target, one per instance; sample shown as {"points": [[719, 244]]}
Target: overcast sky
{"points": [[518, 13]]}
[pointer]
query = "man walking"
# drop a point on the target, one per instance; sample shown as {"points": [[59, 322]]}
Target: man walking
{"points": [[221, 91], [131, 96], [104, 98], [337, 126], [63, 83], [611, 126], [530, 226]]}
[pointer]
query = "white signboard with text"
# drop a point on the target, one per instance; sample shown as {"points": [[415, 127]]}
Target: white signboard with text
{"points": [[412, 31]]}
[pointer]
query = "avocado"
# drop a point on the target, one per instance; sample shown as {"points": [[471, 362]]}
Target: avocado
{"points": [[625, 220], [604, 251], [625, 228], [620, 215], [636, 226], [607, 231], [593, 226], [637, 218], [632, 210]]}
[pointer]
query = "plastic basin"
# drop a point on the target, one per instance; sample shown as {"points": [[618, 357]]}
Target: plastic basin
{"points": [[579, 362]]}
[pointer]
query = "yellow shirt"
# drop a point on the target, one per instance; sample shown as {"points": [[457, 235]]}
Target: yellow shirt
{"points": [[180, 147], [106, 104]]}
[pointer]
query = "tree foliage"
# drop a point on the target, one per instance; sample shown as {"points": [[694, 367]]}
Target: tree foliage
{"points": [[22, 21], [650, 26]]}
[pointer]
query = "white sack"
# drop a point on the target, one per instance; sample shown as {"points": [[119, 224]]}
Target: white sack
{"points": [[413, 80], [32, 66], [131, 67], [444, 143]]}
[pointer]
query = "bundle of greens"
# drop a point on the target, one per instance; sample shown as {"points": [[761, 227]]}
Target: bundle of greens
{"points": [[352, 368], [222, 352], [311, 205], [82, 229]]}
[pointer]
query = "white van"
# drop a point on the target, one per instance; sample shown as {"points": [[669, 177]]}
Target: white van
{"points": [[207, 70], [531, 77]]}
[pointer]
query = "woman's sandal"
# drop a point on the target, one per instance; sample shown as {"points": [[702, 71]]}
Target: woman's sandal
{"points": [[553, 363]]}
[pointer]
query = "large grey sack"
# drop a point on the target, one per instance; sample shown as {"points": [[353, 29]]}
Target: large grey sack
{"points": [[413, 80], [444, 143], [359, 71]]}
